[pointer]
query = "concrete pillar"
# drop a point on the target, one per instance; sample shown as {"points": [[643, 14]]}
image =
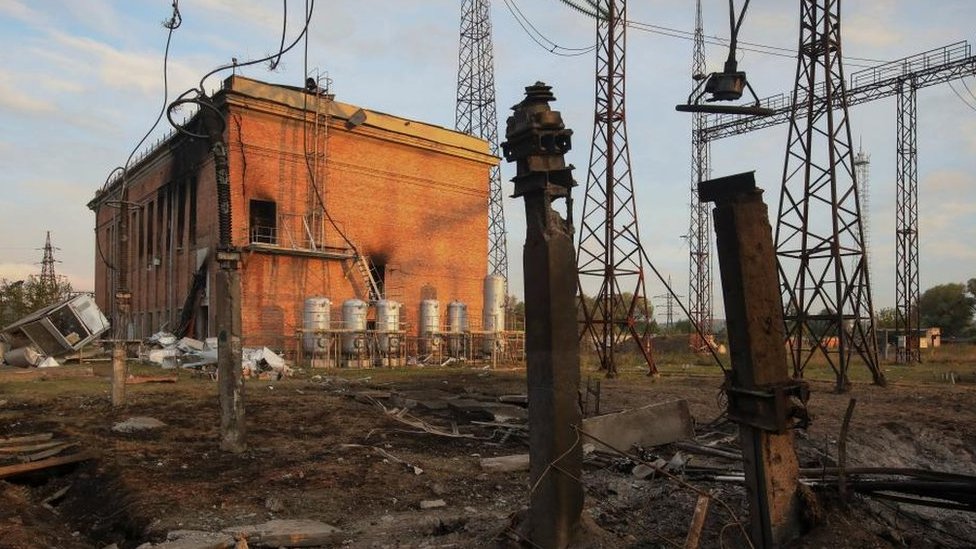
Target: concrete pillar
{"points": [[537, 139], [761, 390]]}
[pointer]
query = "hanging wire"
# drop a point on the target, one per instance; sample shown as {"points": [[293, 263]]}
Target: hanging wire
{"points": [[960, 96], [198, 96], [540, 39], [284, 28], [308, 163], [173, 23], [766, 49]]}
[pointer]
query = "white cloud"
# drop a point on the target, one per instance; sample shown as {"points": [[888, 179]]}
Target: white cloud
{"points": [[18, 100], [15, 9]]}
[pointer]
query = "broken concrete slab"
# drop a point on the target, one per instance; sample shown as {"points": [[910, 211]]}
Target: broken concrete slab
{"points": [[487, 411], [288, 533], [648, 426], [506, 464], [190, 344], [138, 423], [432, 503]]}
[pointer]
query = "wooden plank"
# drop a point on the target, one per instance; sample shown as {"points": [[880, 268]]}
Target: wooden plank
{"points": [[697, 522], [134, 380], [21, 468], [30, 447], [48, 453], [26, 438]]}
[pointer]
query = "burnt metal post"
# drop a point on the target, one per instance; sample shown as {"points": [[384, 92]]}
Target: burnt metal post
{"points": [[536, 141], [761, 393], [230, 385]]}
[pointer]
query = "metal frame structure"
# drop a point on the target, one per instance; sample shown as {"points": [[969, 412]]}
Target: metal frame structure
{"points": [[896, 78], [819, 238], [609, 250], [49, 278], [476, 114], [699, 224], [907, 321]]}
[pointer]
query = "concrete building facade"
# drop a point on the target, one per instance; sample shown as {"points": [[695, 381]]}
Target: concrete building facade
{"points": [[410, 197]]}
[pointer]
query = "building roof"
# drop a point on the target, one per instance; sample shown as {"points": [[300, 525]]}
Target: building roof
{"points": [[298, 98], [437, 137]]}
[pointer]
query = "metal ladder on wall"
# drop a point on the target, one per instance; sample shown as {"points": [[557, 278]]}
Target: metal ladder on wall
{"points": [[365, 268]]}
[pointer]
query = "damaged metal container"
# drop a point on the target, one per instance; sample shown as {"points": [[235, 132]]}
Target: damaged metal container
{"points": [[59, 329]]}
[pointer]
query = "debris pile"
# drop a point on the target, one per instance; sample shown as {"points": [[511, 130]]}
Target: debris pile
{"points": [[166, 351], [32, 453]]}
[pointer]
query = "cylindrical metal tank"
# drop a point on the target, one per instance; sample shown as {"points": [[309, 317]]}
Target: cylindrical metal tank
{"points": [[457, 317], [457, 325], [430, 318], [388, 320], [316, 317], [354, 324], [494, 312]]}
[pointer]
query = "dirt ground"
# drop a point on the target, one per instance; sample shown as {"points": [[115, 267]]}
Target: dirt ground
{"points": [[312, 454]]}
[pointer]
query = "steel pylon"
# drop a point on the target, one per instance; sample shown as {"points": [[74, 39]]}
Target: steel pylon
{"points": [[699, 229], [49, 278], [476, 114], [906, 226], [609, 255], [819, 235]]}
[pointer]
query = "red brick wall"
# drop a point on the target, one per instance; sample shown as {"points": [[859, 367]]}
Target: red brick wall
{"points": [[415, 205]]}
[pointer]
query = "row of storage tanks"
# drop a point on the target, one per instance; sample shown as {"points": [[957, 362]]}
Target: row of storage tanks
{"points": [[317, 317]]}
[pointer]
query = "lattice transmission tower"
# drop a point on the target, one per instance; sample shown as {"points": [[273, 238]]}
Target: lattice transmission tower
{"points": [[699, 230], [862, 172], [49, 278], [609, 255], [476, 114], [819, 233], [907, 319]]}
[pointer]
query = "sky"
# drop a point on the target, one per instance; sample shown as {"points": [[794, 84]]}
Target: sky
{"points": [[82, 82]]}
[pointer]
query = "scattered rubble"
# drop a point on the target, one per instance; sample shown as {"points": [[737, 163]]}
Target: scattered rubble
{"points": [[166, 351], [138, 423]]}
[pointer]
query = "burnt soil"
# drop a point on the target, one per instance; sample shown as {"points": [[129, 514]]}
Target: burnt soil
{"points": [[311, 456]]}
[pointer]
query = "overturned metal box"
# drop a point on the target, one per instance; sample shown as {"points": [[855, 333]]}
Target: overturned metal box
{"points": [[59, 329]]}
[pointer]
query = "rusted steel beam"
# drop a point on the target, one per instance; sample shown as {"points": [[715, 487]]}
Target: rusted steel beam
{"points": [[536, 140]]}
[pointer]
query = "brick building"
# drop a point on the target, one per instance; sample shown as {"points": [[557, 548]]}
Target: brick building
{"points": [[410, 197]]}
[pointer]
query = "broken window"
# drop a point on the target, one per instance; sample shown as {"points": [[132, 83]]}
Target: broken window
{"points": [[264, 222]]}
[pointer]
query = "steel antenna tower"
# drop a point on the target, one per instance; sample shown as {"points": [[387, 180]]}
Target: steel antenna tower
{"points": [[906, 225], [609, 254], [49, 279], [476, 115], [819, 236], [862, 172], [699, 231]]}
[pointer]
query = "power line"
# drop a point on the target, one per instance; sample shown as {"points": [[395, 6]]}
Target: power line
{"points": [[963, 80], [960, 96], [671, 32], [540, 38]]}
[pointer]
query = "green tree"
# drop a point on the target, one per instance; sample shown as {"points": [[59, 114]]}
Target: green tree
{"points": [[947, 306], [885, 319], [21, 297], [620, 312]]}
